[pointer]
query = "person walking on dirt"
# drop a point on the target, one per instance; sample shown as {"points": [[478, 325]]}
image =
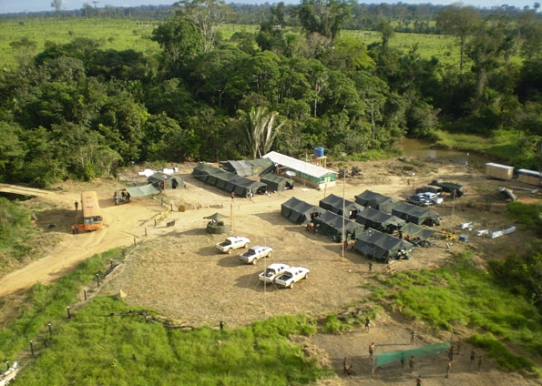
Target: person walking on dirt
{"points": [[76, 205], [372, 348], [370, 267], [232, 195], [412, 336], [367, 324], [479, 363], [448, 369], [419, 381], [408, 182], [411, 362]]}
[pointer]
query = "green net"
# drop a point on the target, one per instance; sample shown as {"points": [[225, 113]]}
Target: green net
{"points": [[395, 357]]}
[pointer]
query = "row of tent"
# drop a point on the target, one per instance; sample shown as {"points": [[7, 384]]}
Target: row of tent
{"points": [[408, 212], [372, 226], [239, 185], [386, 211], [229, 182]]}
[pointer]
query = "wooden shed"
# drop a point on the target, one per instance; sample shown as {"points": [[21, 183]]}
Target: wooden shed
{"points": [[529, 177], [498, 171]]}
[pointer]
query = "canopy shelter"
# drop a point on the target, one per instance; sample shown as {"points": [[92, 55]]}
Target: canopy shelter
{"points": [[227, 181], [162, 180], [376, 201], [262, 166], [382, 247], [416, 234], [373, 218], [334, 204], [241, 168], [140, 191], [299, 211], [216, 224], [331, 224], [305, 172], [216, 217], [277, 183], [415, 214]]}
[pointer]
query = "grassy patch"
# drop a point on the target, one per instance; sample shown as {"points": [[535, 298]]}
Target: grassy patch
{"points": [[502, 144], [460, 295], [505, 359], [107, 343]]}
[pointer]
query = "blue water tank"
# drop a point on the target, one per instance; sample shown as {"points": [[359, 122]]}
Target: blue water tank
{"points": [[319, 151]]}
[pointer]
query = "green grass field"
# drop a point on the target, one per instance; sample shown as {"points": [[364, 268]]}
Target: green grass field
{"points": [[135, 34]]}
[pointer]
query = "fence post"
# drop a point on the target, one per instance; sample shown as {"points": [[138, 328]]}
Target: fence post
{"points": [[50, 330], [69, 314], [31, 348]]}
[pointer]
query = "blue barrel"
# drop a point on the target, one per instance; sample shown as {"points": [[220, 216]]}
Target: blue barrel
{"points": [[319, 151]]}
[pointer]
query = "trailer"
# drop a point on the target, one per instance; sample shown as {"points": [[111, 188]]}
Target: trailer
{"points": [[529, 177], [498, 171]]}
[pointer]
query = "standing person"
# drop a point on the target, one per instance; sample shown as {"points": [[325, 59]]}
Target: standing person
{"points": [[370, 267], [232, 195], [372, 348], [448, 369], [472, 357], [367, 324], [411, 362], [408, 182], [479, 363], [76, 205], [451, 352], [419, 381], [412, 336], [221, 324]]}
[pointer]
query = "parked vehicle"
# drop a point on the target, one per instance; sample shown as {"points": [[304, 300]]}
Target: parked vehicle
{"points": [[255, 253], [291, 276], [429, 188], [231, 243], [456, 190], [271, 272], [432, 197], [90, 218], [418, 200]]}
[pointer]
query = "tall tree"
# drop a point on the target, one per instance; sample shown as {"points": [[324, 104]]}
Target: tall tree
{"points": [[461, 22], [260, 127], [323, 16], [180, 41], [207, 16]]}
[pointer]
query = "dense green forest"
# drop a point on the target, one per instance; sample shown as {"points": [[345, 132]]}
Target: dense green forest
{"points": [[77, 110]]}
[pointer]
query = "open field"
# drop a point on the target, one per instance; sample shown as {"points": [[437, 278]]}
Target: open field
{"points": [[176, 271], [135, 34]]}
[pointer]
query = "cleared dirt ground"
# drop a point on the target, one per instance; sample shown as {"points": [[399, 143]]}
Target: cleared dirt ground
{"points": [[176, 270]]}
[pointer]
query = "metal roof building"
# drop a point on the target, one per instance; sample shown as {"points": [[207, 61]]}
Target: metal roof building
{"points": [[305, 172]]}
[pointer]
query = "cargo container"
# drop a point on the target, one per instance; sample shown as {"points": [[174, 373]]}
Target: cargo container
{"points": [[499, 172]]}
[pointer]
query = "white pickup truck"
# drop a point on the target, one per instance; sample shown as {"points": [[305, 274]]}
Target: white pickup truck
{"points": [[231, 243]]}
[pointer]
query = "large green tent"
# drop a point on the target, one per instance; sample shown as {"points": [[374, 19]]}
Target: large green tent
{"points": [[334, 204], [382, 247], [376, 200], [373, 218], [277, 183], [299, 211], [415, 214], [335, 226]]}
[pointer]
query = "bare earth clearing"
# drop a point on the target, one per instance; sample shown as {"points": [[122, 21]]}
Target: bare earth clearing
{"points": [[176, 271]]}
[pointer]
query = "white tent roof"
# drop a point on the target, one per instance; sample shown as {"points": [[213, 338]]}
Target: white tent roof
{"points": [[298, 165]]}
